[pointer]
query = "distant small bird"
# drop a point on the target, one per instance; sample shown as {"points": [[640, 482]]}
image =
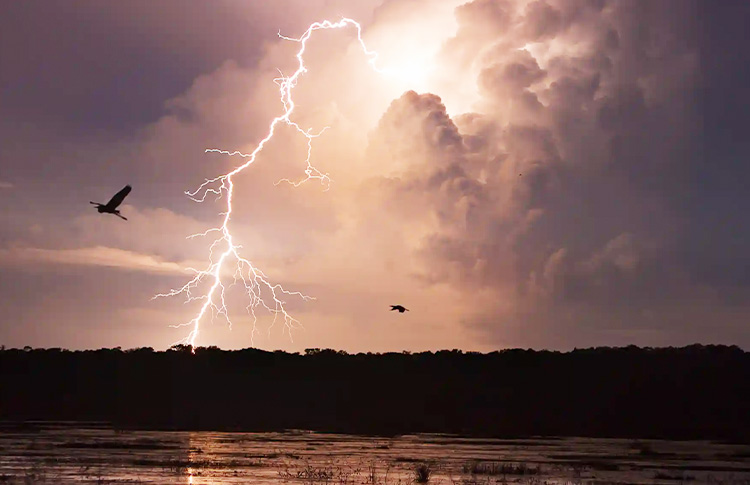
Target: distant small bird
{"points": [[111, 206], [400, 308]]}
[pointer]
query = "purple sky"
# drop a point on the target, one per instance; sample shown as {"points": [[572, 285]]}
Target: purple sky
{"points": [[546, 173]]}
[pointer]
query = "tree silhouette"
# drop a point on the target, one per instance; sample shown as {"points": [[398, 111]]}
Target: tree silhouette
{"points": [[681, 393]]}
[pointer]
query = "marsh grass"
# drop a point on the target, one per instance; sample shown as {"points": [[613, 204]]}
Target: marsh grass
{"points": [[373, 472], [494, 468], [373, 477], [422, 473], [329, 474]]}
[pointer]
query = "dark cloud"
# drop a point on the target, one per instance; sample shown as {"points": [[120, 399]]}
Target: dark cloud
{"points": [[541, 20], [515, 74], [82, 65]]}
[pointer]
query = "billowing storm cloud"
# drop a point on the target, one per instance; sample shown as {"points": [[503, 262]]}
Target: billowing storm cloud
{"points": [[563, 202], [546, 173]]}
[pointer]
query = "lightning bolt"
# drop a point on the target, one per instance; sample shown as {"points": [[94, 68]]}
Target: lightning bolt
{"points": [[262, 293]]}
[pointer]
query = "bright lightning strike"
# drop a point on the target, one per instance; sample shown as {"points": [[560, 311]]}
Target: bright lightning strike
{"points": [[260, 291]]}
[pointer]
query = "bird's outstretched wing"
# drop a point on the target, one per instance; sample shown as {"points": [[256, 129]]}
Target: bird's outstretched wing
{"points": [[118, 197]]}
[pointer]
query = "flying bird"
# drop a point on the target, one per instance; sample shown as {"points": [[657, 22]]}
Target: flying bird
{"points": [[111, 206], [400, 308]]}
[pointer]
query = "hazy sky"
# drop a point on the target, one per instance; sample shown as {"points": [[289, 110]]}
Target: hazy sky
{"points": [[545, 173]]}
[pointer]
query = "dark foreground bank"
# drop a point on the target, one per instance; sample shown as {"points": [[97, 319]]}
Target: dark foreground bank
{"points": [[695, 392]]}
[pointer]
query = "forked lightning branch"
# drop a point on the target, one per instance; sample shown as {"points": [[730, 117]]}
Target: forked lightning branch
{"points": [[262, 294]]}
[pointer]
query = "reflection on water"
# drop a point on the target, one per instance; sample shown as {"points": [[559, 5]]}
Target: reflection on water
{"points": [[65, 453]]}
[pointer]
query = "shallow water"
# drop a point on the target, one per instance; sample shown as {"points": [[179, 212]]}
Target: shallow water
{"points": [[77, 453]]}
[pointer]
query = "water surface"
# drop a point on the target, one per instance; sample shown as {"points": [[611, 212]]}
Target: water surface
{"points": [[76, 453]]}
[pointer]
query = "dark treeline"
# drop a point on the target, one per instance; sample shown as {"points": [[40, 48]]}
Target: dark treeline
{"points": [[677, 393]]}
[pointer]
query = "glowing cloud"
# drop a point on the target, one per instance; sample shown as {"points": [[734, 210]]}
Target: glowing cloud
{"points": [[93, 256], [260, 290]]}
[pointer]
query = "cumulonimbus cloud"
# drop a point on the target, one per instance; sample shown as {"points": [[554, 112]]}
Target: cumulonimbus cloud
{"points": [[561, 193]]}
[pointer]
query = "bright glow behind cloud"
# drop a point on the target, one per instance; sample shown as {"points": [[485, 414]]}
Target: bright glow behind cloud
{"points": [[261, 292]]}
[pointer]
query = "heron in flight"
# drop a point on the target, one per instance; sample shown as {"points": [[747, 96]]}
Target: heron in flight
{"points": [[111, 206], [400, 308]]}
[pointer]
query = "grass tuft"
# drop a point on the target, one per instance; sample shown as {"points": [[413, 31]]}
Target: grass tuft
{"points": [[422, 473]]}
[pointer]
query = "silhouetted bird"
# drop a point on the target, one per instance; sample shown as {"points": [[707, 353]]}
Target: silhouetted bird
{"points": [[400, 308], [111, 206]]}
